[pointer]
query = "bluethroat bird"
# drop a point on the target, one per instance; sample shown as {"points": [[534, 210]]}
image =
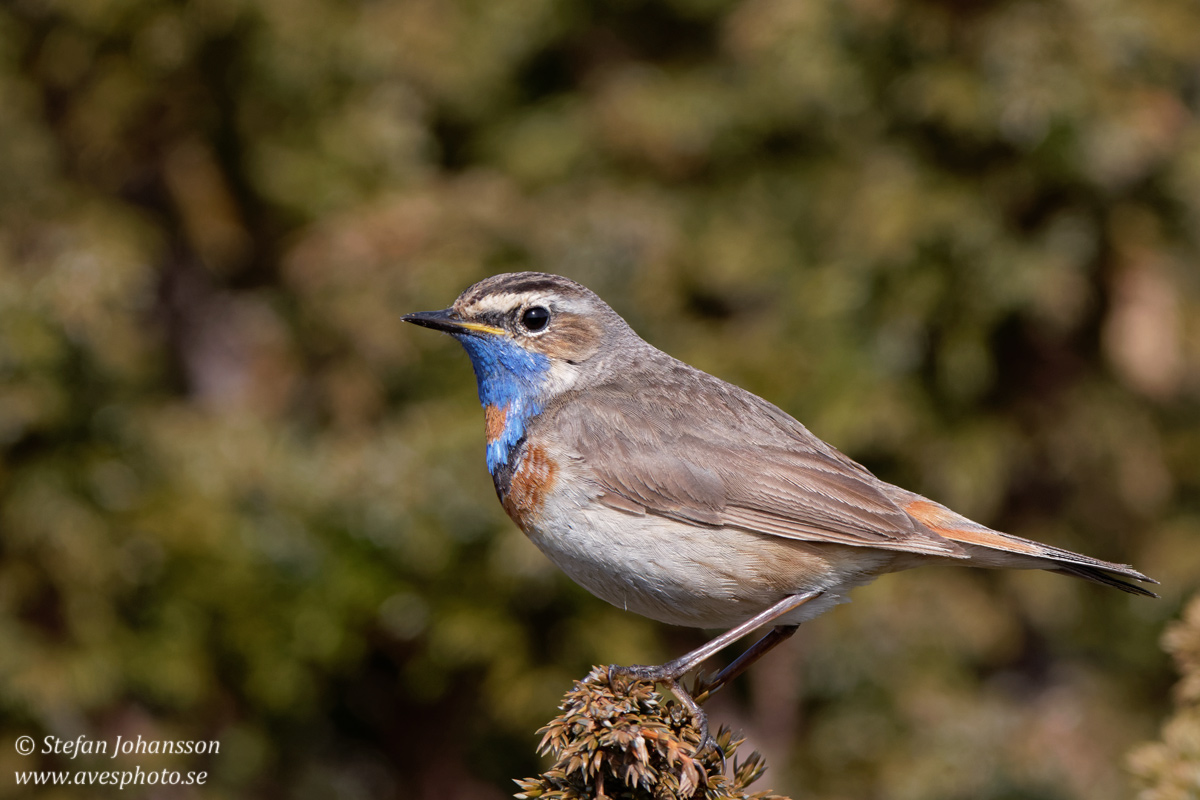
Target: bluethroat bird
{"points": [[671, 493]]}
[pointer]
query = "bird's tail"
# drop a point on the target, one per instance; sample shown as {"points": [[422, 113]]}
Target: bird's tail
{"points": [[988, 548]]}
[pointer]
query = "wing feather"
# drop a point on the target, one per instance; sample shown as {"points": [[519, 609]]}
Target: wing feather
{"points": [[717, 455], [689, 446]]}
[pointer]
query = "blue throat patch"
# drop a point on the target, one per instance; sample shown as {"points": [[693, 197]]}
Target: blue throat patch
{"points": [[510, 378]]}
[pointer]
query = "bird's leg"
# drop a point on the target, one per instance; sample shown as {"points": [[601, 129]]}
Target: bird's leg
{"points": [[670, 672], [705, 689], [689, 661]]}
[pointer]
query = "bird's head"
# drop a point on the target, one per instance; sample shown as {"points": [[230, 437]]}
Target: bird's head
{"points": [[530, 335]]}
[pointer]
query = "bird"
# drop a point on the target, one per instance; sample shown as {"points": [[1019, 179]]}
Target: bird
{"points": [[669, 492]]}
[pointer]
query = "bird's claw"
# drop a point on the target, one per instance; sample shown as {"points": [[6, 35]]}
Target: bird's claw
{"points": [[668, 674]]}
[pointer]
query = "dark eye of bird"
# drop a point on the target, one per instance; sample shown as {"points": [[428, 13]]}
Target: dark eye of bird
{"points": [[534, 319]]}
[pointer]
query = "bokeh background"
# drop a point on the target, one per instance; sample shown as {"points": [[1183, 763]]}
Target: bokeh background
{"points": [[240, 500]]}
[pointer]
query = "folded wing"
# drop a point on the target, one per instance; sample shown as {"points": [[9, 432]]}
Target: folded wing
{"points": [[698, 449], [738, 462]]}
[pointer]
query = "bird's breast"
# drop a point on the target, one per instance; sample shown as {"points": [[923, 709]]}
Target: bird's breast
{"points": [[524, 481], [522, 469]]}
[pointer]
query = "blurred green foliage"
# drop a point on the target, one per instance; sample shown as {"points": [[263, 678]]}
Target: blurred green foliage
{"points": [[1169, 769], [239, 500]]}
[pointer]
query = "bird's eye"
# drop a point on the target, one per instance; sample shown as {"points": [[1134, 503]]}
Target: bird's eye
{"points": [[534, 319]]}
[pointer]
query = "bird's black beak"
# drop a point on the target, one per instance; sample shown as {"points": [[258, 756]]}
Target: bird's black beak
{"points": [[443, 320], [448, 321]]}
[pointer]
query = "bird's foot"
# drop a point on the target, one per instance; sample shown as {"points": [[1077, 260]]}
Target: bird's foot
{"points": [[668, 674], [670, 671]]}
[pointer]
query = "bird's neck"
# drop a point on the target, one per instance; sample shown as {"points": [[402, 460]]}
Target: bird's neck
{"points": [[511, 381]]}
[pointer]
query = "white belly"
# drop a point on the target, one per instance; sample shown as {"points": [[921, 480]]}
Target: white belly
{"points": [[685, 574]]}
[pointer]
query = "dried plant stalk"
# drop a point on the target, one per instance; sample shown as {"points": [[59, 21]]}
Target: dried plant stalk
{"points": [[620, 739]]}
